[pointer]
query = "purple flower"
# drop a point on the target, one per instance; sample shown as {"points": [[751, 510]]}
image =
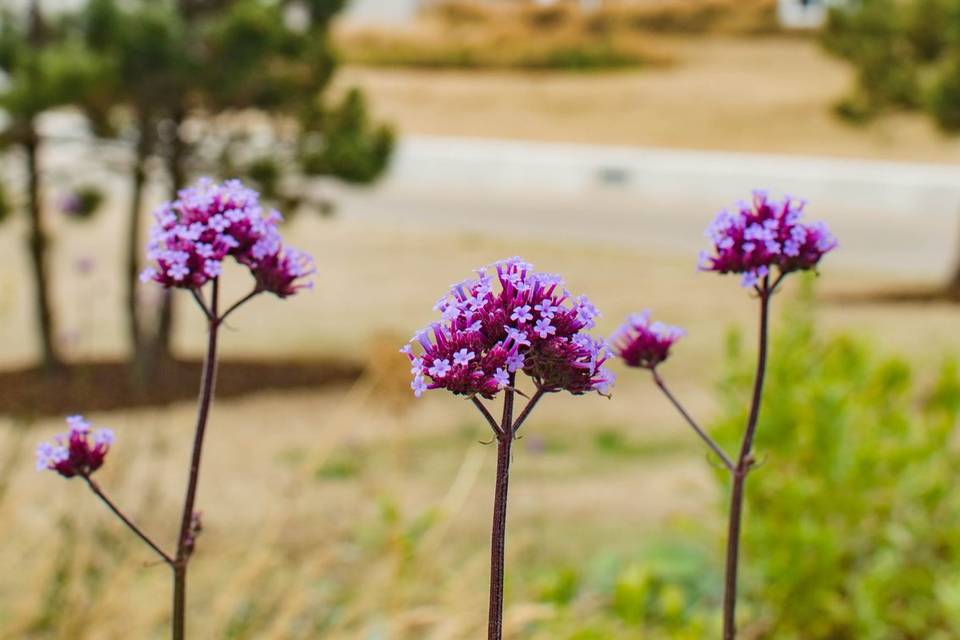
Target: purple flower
{"points": [[85, 265], [545, 309], [521, 314], [281, 273], [640, 343], [518, 336], [515, 362], [463, 357], [208, 222], [485, 345], [763, 235], [419, 385], [72, 205], [439, 368], [543, 328], [78, 452]]}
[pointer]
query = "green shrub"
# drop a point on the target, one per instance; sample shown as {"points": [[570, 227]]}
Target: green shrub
{"points": [[852, 527], [905, 54], [4, 204]]}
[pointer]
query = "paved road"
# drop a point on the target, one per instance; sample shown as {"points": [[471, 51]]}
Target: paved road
{"points": [[896, 217], [382, 12]]}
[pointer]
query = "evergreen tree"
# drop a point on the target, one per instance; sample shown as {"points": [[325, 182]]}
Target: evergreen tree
{"points": [[906, 54], [42, 70], [223, 65]]}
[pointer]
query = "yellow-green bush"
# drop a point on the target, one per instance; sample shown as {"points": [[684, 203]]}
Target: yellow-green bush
{"points": [[852, 527]]}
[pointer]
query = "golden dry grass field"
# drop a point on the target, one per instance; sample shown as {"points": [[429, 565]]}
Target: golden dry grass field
{"points": [[764, 94], [356, 513]]}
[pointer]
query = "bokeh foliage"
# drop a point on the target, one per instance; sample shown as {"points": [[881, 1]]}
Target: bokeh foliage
{"points": [[230, 88], [906, 54], [851, 528], [853, 521]]}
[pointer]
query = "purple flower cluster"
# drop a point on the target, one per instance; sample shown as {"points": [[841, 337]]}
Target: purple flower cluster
{"points": [[79, 452], [765, 234], [208, 222], [514, 320], [640, 343]]}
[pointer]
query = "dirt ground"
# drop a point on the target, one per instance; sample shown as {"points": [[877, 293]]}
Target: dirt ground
{"points": [[744, 94]]}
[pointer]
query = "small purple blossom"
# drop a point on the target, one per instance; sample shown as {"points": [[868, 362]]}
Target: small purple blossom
{"points": [[207, 223], [78, 452], [463, 357], [85, 265], [515, 362], [530, 324], [439, 368], [518, 336], [419, 385], [543, 328], [545, 309], [72, 204], [640, 343], [521, 314], [765, 234], [281, 273]]}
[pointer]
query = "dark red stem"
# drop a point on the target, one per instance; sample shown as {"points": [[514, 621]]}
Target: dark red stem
{"points": [[203, 410], [693, 424], [527, 409], [740, 471], [498, 535], [123, 518]]}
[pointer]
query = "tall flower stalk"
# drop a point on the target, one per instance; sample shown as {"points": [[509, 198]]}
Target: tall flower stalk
{"points": [[510, 320], [763, 241], [191, 238]]}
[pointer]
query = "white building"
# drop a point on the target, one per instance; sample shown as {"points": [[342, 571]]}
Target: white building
{"points": [[802, 14]]}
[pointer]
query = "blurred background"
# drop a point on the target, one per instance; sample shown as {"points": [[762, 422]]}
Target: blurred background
{"points": [[408, 142]]}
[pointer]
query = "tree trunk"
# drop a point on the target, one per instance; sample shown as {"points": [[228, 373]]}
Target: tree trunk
{"points": [[158, 348], [37, 241], [175, 168], [134, 233], [953, 285]]}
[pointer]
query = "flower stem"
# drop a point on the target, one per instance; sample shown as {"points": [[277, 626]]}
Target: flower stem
{"points": [[117, 512], [486, 414], [740, 471], [203, 411], [526, 410], [498, 536], [710, 442], [236, 305]]}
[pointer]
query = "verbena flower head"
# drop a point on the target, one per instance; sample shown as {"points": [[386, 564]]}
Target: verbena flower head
{"points": [[509, 319], [765, 234], [78, 452], [194, 234], [640, 343]]}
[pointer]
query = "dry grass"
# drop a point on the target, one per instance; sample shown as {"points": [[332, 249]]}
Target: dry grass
{"points": [[355, 513], [509, 48], [512, 35], [766, 94], [348, 521], [703, 17]]}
